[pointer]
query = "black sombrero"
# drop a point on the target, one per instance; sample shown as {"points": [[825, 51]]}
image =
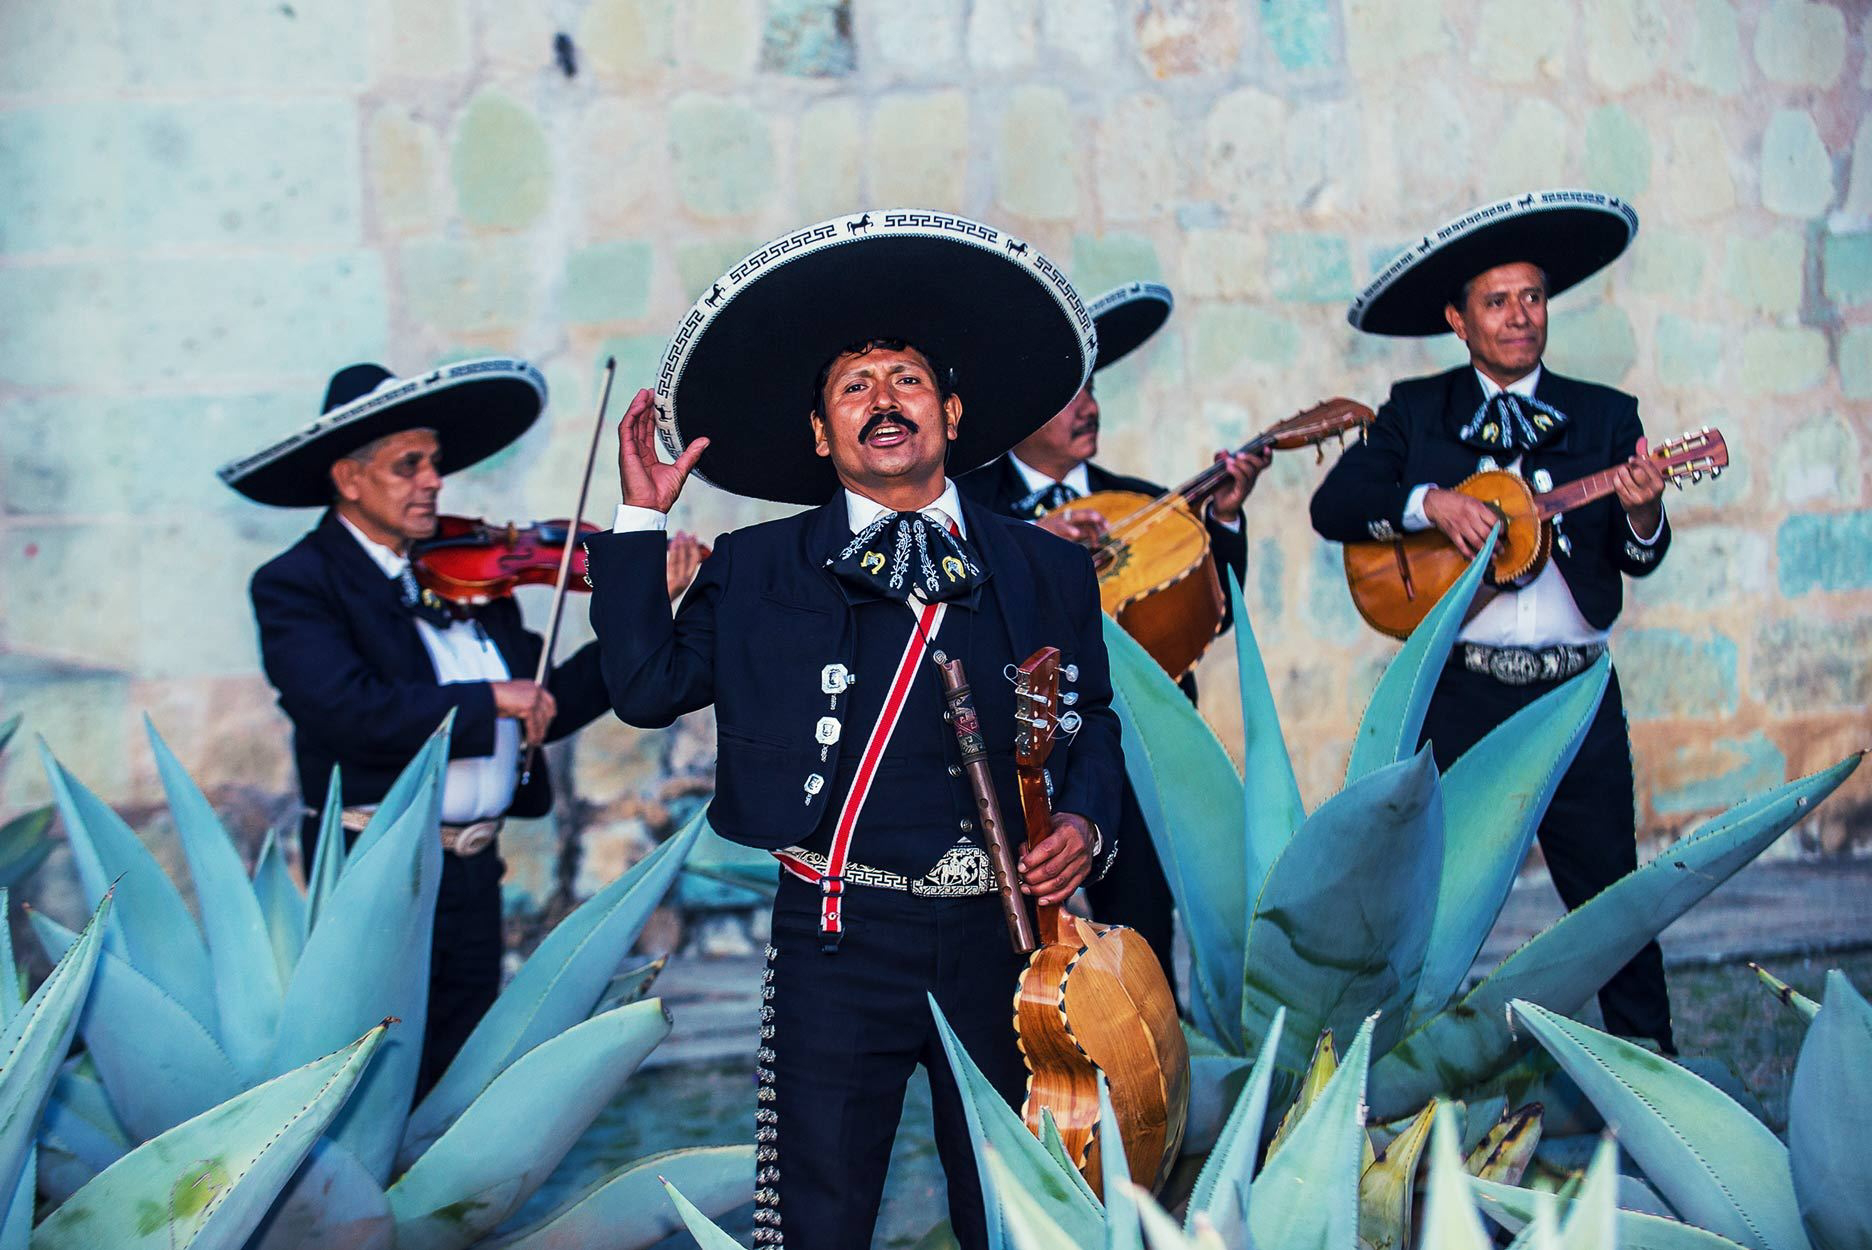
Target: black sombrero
{"points": [[1569, 233], [1127, 317], [475, 407], [741, 368]]}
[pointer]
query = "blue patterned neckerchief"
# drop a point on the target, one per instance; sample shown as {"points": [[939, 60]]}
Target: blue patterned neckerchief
{"points": [[425, 605], [905, 553], [1512, 424], [1038, 503]]}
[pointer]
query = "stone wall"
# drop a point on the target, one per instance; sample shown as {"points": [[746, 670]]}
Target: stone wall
{"points": [[210, 206]]}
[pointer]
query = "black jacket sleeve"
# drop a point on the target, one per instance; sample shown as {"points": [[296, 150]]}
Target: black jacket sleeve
{"points": [[1095, 765], [1628, 555], [1365, 490], [655, 667]]}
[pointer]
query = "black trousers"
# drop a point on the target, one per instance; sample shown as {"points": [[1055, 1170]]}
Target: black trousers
{"points": [[465, 953], [1134, 893], [841, 1035], [1589, 834]]}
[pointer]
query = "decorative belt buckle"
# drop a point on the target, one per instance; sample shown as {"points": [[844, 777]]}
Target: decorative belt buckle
{"points": [[1514, 667]]}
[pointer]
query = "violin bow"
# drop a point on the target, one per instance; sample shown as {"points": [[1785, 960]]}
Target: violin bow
{"points": [[565, 557]]}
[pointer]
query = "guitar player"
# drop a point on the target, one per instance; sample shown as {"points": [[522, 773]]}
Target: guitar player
{"points": [[1487, 277]]}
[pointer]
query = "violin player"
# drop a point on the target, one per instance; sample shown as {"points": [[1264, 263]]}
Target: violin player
{"points": [[366, 662], [1487, 277], [1038, 480], [918, 345]]}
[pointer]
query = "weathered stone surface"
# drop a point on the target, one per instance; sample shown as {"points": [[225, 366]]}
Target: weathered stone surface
{"points": [[628, 40], [809, 38], [1596, 343], [1781, 361], [404, 156], [61, 320], [85, 717], [62, 166], [1228, 263], [1302, 34], [1856, 362], [1712, 56], [45, 46], [1518, 41], [1696, 180], [608, 282], [1309, 268], [1668, 673], [828, 178], [474, 287], [1002, 36], [1625, 42], [1669, 264], [918, 37], [625, 165], [724, 157], [428, 39], [500, 162], [1846, 262], [1434, 146], [1036, 156], [1824, 551], [1715, 775], [699, 264], [1085, 30], [1618, 152], [1329, 611], [1689, 352], [1101, 262], [1810, 664], [1796, 169], [1243, 148], [1801, 44], [1229, 335], [1857, 208], [1135, 162], [1178, 38], [1819, 463], [1322, 159], [723, 36], [1710, 568], [1383, 39], [222, 44], [1531, 152], [1764, 274], [928, 136]]}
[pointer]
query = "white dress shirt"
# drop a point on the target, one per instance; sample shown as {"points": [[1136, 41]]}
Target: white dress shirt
{"points": [[480, 788], [1078, 480]]}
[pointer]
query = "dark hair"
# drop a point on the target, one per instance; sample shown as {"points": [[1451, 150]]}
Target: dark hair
{"points": [[940, 375], [1460, 298]]}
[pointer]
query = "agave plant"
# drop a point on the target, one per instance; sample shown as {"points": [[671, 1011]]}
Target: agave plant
{"points": [[1356, 909], [196, 1029], [24, 840]]}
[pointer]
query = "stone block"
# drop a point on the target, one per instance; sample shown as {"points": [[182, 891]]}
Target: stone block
{"points": [[1855, 362], [1101, 262], [1227, 263], [809, 39], [1713, 776], [629, 41], [1520, 41], [1625, 42], [723, 36], [1135, 160], [724, 156], [1002, 36], [223, 44], [1697, 181], [624, 170], [1764, 274], [1180, 38], [428, 39], [827, 176], [1382, 38], [62, 166], [1796, 169], [1085, 30], [1302, 34], [1323, 166], [1267, 566], [1801, 44], [196, 571], [1779, 360], [1531, 151], [1037, 156], [501, 163], [1846, 262], [608, 282], [1242, 149], [1712, 56], [1229, 335], [1435, 147], [1819, 462], [1310, 268], [1824, 551], [470, 287], [62, 321], [1667, 673], [1711, 569], [83, 715], [1809, 664], [1689, 352], [1596, 343], [1618, 152], [404, 156], [72, 592], [699, 264], [1669, 264], [45, 46], [1329, 614], [929, 133], [918, 37], [1857, 208]]}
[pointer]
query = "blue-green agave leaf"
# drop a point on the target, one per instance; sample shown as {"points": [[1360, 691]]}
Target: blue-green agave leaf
{"points": [[410, 789], [328, 853], [372, 962], [331, 1203], [25, 841], [1215, 1081], [1342, 924], [992, 1123], [1273, 809], [1122, 1229], [16, 1223], [1829, 1111], [282, 907], [151, 925], [1717, 1165], [8, 729], [1803, 1006], [206, 1184], [1056, 1146], [1393, 719], [626, 1210], [1563, 967], [16, 1226], [700, 1226], [159, 1063], [80, 1092], [1227, 1177], [1306, 1198], [246, 979], [64, 1130], [1027, 1223], [1191, 797], [1450, 1221], [1493, 799], [1592, 1217], [1514, 1209], [11, 999], [556, 988], [485, 1167]]}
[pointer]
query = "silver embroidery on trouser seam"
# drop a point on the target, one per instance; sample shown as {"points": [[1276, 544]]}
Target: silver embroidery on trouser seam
{"points": [[767, 1121]]}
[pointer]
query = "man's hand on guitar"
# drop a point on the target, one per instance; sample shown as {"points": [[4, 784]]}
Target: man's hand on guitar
{"points": [[1079, 525], [1061, 862], [645, 480], [1243, 470], [1464, 520], [1639, 484]]}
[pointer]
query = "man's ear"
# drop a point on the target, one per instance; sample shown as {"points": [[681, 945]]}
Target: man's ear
{"points": [[952, 415], [1454, 316], [344, 477], [820, 445]]}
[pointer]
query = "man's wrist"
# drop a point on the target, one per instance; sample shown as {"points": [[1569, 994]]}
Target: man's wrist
{"points": [[632, 519]]}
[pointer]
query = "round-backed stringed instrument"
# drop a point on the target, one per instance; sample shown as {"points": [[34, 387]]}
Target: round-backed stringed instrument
{"points": [[1396, 582], [1157, 578]]}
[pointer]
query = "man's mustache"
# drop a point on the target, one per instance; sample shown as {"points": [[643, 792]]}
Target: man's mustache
{"points": [[885, 418]]}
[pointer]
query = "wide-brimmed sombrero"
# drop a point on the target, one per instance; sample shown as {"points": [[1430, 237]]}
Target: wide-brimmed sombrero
{"points": [[1128, 316], [1572, 234], [475, 407], [741, 368]]}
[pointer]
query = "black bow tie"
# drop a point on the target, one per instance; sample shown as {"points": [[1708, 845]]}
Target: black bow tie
{"points": [[424, 605], [1040, 502], [1513, 424], [906, 553]]}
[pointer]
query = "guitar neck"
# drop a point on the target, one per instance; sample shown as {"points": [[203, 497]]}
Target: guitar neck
{"points": [[1197, 490], [1577, 493]]}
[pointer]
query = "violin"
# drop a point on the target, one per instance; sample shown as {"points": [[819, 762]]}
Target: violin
{"points": [[472, 561]]}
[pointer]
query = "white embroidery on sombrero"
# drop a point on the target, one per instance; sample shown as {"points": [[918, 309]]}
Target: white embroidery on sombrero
{"points": [[1126, 317]]}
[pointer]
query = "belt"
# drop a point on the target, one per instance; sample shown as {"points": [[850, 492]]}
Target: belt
{"points": [[1523, 666], [964, 871], [463, 840]]}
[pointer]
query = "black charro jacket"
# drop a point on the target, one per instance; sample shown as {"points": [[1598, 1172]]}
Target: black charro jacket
{"points": [[765, 617], [359, 687], [1413, 441]]}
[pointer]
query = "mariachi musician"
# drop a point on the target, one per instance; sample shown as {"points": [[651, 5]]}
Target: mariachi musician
{"points": [[1038, 481], [1487, 277], [367, 661], [915, 345]]}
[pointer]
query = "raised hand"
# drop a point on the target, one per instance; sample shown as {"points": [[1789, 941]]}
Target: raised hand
{"points": [[643, 478]]}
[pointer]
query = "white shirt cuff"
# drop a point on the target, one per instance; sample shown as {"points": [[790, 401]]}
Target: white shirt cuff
{"points": [[1233, 527], [1651, 541], [1415, 518], [634, 520]]}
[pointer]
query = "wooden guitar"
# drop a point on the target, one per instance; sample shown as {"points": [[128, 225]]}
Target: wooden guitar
{"points": [[1157, 577], [1093, 998], [1396, 582]]}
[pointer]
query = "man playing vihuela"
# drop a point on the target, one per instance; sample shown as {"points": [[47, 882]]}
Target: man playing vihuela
{"points": [[1487, 277], [855, 367], [1039, 480]]}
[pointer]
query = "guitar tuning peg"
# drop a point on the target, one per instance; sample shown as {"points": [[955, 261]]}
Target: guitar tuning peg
{"points": [[1677, 482], [1715, 470], [1696, 475], [1319, 454]]}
